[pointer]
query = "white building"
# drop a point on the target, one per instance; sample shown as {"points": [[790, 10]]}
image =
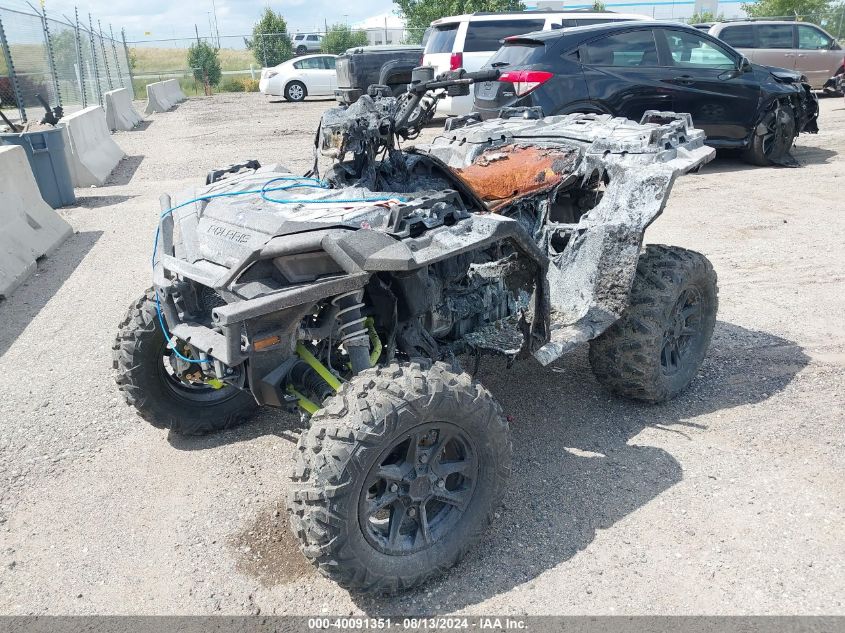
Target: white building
{"points": [[658, 9], [385, 28]]}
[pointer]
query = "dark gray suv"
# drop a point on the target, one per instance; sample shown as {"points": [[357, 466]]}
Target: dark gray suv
{"points": [[625, 69]]}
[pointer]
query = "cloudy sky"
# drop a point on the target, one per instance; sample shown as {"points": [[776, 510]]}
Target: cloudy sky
{"points": [[167, 19]]}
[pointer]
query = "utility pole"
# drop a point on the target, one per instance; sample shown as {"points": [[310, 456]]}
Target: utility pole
{"points": [[841, 15], [216, 24]]}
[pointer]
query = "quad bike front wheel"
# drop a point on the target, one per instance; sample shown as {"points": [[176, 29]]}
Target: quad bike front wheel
{"points": [[398, 476], [146, 376], [653, 352]]}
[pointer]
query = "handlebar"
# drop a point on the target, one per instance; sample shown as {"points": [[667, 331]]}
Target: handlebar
{"points": [[490, 74], [454, 78], [448, 79]]}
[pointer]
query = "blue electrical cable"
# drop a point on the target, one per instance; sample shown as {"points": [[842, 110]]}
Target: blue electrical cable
{"points": [[300, 183], [170, 342]]}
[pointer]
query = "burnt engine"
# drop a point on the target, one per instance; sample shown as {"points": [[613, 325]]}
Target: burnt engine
{"points": [[444, 302]]}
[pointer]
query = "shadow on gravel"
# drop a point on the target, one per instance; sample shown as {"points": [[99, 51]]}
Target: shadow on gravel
{"points": [[124, 171], [278, 99], [731, 160], [575, 471], [26, 302], [283, 425], [96, 202], [143, 125], [811, 155]]}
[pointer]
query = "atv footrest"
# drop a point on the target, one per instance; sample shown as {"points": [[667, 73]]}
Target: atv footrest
{"points": [[503, 337]]}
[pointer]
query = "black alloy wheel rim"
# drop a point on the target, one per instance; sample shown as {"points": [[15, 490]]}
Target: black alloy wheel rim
{"points": [[419, 489], [683, 331], [780, 128]]}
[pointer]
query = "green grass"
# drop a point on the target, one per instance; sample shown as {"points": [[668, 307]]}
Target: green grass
{"points": [[239, 82], [187, 82], [151, 60]]}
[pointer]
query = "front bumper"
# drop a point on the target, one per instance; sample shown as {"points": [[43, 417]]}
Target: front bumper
{"points": [[221, 335], [809, 118]]}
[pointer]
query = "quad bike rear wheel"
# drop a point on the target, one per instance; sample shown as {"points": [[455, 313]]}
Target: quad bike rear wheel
{"points": [[398, 476], [149, 383], [653, 352]]}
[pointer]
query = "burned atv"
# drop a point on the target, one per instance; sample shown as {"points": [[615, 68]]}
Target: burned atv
{"points": [[350, 297]]}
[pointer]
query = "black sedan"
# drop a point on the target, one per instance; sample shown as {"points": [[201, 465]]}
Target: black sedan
{"points": [[627, 68]]}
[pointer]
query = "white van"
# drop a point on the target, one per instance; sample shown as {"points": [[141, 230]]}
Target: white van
{"points": [[468, 41]]}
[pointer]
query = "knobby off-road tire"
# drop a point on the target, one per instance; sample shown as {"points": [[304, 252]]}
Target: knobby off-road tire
{"points": [[395, 432], [138, 356], [774, 145], [653, 352]]}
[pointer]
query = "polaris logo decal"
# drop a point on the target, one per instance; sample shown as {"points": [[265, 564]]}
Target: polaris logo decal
{"points": [[229, 234]]}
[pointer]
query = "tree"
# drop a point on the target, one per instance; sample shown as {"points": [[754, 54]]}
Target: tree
{"points": [[835, 21], [339, 37], [270, 43], [203, 59], [705, 16], [808, 10], [599, 6], [419, 14]]}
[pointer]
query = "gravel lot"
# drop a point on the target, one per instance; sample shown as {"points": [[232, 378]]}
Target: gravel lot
{"points": [[728, 500]]}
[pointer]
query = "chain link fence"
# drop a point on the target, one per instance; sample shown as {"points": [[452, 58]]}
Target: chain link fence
{"points": [[72, 61], [67, 62], [241, 56]]}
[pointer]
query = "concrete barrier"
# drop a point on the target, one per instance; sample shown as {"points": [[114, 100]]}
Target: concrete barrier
{"points": [[31, 229], [120, 114], [92, 153], [175, 91], [158, 98], [163, 95]]}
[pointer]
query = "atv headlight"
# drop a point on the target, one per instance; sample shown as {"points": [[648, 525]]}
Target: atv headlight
{"points": [[333, 143]]}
